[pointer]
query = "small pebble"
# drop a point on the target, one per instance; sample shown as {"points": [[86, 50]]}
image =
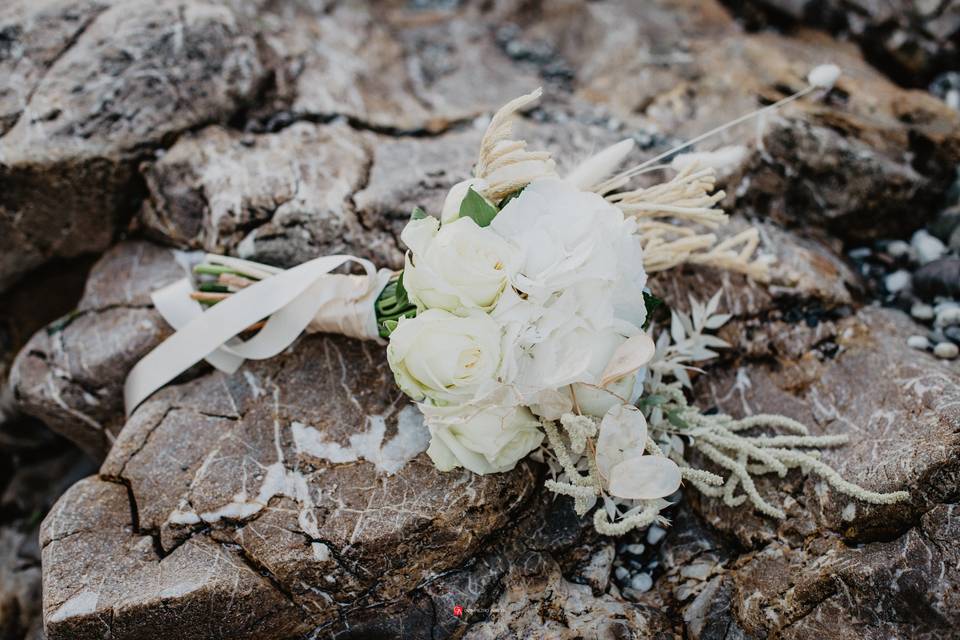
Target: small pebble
{"points": [[927, 247], [860, 253], [946, 350], [939, 278], [622, 573], [897, 281], [918, 342], [898, 249], [922, 311], [655, 534], [948, 317], [952, 334], [641, 582], [635, 549]]}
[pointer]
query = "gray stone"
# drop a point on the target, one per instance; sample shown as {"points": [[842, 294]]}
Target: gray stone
{"points": [[211, 191], [938, 278], [71, 373], [117, 82]]}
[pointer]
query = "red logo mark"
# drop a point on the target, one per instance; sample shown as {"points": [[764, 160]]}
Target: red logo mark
{"points": [[458, 611]]}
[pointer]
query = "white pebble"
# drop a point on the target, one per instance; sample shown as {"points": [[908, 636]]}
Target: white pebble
{"points": [[655, 534], [635, 549], [824, 76], [946, 350], [641, 582], [897, 280], [948, 317], [898, 249], [927, 247], [622, 573], [918, 342], [921, 311]]}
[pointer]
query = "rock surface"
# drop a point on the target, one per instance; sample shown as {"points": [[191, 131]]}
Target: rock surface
{"points": [[70, 374], [298, 483], [281, 198], [117, 82], [911, 41], [850, 164], [899, 406], [291, 499], [35, 473]]}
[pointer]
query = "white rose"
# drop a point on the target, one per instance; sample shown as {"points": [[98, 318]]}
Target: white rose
{"points": [[575, 241], [457, 267], [444, 357], [489, 439]]}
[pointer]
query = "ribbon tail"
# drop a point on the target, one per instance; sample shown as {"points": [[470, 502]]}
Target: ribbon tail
{"points": [[178, 309], [290, 299]]}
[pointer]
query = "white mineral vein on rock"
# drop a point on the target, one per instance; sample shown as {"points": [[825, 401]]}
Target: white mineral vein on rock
{"points": [[412, 439]]}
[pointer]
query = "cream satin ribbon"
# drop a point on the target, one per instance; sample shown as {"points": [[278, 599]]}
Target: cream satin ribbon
{"points": [[306, 297]]}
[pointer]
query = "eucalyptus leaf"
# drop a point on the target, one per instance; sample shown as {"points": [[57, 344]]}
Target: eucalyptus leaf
{"points": [[418, 214], [476, 207]]}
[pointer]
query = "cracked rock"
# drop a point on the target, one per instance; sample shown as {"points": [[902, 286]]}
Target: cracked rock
{"points": [[899, 407], [849, 164], [911, 41], [118, 81], [71, 373], [102, 577], [308, 466], [392, 68], [281, 198]]}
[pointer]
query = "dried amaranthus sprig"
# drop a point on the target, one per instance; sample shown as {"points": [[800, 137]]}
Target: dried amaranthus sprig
{"points": [[732, 445]]}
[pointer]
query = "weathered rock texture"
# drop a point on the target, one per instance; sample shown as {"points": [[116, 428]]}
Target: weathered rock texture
{"points": [[70, 374], [34, 474], [291, 496], [910, 41], [99, 89], [281, 198], [50, 293], [851, 165]]}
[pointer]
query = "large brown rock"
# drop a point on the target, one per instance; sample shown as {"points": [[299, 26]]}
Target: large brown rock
{"points": [[71, 373], [307, 468], [127, 80]]}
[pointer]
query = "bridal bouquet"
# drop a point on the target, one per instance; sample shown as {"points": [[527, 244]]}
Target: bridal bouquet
{"points": [[521, 326]]}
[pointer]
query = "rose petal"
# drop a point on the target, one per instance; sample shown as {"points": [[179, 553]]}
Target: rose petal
{"points": [[644, 478], [623, 435], [629, 356]]}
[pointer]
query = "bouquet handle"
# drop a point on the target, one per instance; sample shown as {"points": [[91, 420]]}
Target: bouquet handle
{"points": [[306, 297]]}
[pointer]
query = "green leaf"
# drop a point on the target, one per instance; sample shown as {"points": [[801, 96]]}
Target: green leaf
{"points": [[510, 197], [676, 420], [651, 302], [418, 214], [402, 299], [477, 208], [652, 400], [211, 287]]}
